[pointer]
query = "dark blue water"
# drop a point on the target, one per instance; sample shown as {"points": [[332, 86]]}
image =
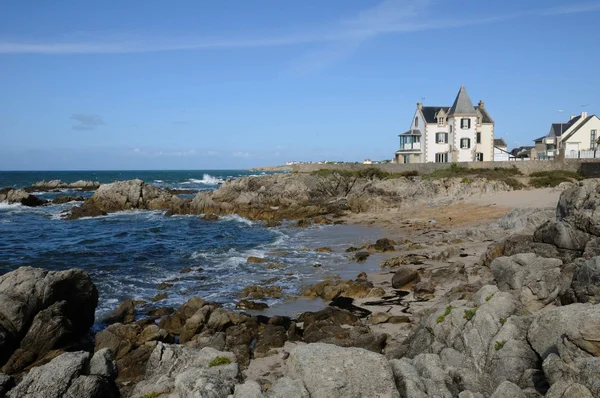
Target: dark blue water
{"points": [[129, 253]]}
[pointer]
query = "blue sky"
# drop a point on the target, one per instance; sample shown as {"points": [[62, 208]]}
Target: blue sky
{"points": [[199, 84]]}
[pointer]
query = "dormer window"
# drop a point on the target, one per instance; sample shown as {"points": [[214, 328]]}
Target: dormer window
{"points": [[416, 122], [441, 121]]}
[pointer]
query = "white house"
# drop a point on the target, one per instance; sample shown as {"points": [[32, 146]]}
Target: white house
{"points": [[500, 150], [442, 134], [579, 134]]}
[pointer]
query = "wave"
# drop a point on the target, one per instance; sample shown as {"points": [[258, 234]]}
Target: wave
{"points": [[8, 206], [235, 217], [206, 179]]}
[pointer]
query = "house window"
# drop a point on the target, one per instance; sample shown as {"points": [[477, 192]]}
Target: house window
{"points": [[441, 122], [479, 138], [451, 128], [465, 143], [406, 158], [441, 138], [593, 139], [416, 122], [441, 157], [479, 121], [479, 157], [465, 123]]}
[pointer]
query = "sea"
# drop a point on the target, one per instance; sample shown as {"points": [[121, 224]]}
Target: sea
{"points": [[129, 254]]}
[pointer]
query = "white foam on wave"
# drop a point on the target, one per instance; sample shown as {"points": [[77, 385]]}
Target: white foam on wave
{"points": [[206, 179], [8, 206], [235, 217]]}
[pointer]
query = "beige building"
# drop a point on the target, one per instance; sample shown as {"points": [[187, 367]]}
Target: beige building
{"points": [[443, 134], [579, 134]]}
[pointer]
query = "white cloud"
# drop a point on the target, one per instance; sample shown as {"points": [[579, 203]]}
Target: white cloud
{"points": [[388, 17], [242, 155]]}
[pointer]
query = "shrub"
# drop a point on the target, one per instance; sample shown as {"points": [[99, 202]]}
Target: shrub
{"points": [[466, 180], [551, 179], [469, 314], [499, 344], [219, 361], [371, 173], [514, 184], [498, 173]]}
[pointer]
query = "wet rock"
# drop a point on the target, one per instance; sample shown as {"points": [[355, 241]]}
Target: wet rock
{"points": [[561, 235], [251, 305], [323, 250], [317, 265], [328, 371], [66, 199], [164, 286], [382, 245], [272, 223], [269, 337], [586, 281], [210, 217], [174, 323], [238, 340], [404, 276], [330, 289], [125, 313], [275, 266], [159, 297], [256, 260], [160, 312], [81, 212], [322, 220], [362, 275], [396, 262], [303, 223], [132, 365], [261, 292], [20, 196], [361, 256], [378, 317]]}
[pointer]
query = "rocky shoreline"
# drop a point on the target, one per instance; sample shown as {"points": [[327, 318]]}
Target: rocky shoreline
{"points": [[481, 310]]}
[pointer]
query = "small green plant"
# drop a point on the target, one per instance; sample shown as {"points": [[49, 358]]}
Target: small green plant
{"points": [[466, 180], [448, 310], [219, 361], [488, 298], [150, 395], [469, 314], [502, 321], [499, 344], [441, 319]]}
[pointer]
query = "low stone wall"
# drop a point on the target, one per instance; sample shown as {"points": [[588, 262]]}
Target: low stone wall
{"points": [[526, 167]]}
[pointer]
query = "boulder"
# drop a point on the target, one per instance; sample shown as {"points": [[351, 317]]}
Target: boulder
{"points": [[404, 276], [585, 284], [68, 375], [561, 235], [328, 371], [187, 372], [534, 280], [527, 219], [508, 389], [577, 207], [42, 310], [20, 196], [125, 313]]}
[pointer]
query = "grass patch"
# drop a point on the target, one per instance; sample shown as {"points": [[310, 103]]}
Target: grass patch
{"points": [[505, 174], [488, 298], [150, 395], [499, 344], [440, 319], [502, 321], [219, 361], [469, 314], [448, 310], [371, 173], [551, 179]]}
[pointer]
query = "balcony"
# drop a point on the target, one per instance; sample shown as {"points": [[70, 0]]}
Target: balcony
{"points": [[410, 146]]}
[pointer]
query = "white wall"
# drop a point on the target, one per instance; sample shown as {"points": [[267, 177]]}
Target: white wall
{"points": [[487, 142], [499, 156], [580, 141], [464, 155], [432, 146]]}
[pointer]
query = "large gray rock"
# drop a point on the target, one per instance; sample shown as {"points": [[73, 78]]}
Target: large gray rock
{"points": [[65, 376], [534, 280], [288, 388], [20, 196], [187, 372], [42, 308], [526, 219], [578, 206], [575, 328], [404, 276], [508, 389], [586, 281], [562, 235], [329, 371]]}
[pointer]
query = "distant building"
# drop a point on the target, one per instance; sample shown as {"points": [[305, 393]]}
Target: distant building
{"points": [[367, 161], [580, 133], [500, 150], [442, 134]]}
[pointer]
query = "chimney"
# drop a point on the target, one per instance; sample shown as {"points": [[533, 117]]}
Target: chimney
{"points": [[419, 105], [583, 115], [573, 117], [481, 104]]}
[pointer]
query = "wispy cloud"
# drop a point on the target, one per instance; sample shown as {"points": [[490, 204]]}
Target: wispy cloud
{"points": [[388, 17], [86, 122], [241, 154]]}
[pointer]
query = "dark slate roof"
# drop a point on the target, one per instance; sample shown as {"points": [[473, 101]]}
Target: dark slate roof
{"points": [[539, 139], [412, 132], [429, 112], [485, 116], [587, 119], [499, 142], [557, 131], [462, 104]]}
